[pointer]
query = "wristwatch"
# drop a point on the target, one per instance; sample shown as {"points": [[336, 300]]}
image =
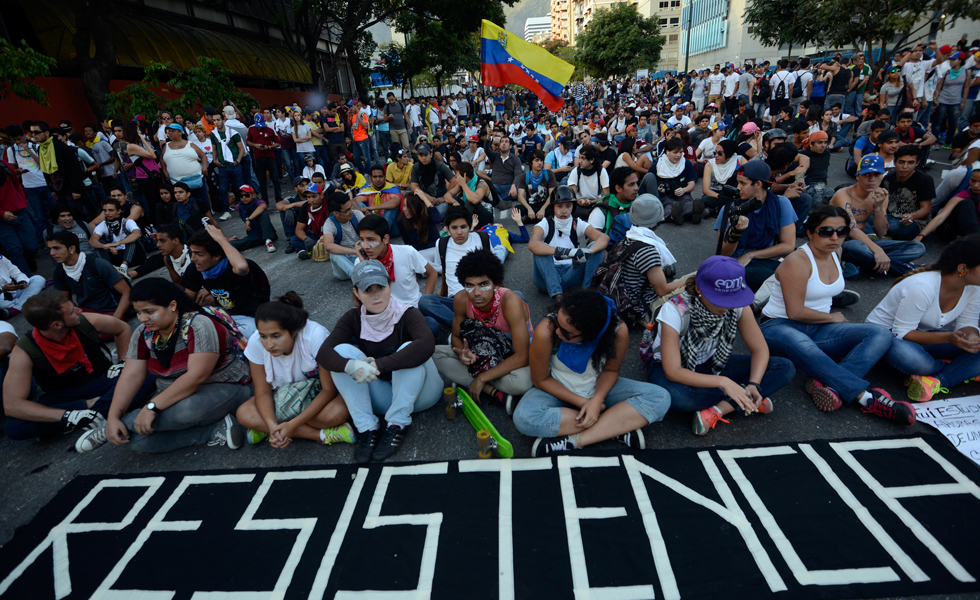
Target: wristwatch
{"points": [[153, 407]]}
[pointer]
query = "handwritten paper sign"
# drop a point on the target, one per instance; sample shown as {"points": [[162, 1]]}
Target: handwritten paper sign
{"points": [[958, 419]]}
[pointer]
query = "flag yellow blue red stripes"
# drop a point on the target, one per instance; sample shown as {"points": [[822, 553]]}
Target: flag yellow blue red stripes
{"points": [[505, 58]]}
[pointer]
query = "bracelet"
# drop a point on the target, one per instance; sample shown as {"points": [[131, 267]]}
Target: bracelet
{"points": [[758, 387]]}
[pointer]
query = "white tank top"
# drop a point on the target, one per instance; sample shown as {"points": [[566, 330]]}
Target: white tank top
{"points": [[582, 384], [182, 163], [819, 295]]}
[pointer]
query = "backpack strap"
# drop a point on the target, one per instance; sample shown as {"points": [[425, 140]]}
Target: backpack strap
{"points": [[340, 232], [485, 238], [443, 245]]}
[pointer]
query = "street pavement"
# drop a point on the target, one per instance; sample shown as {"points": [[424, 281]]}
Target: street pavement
{"points": [[34, 471]]}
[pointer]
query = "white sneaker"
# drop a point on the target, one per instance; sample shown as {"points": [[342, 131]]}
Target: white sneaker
{"points": [[125, 273], [91, 440], [224, 216], [269, 247]]}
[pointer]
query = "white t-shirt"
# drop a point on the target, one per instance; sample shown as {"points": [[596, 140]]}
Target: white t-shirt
{"points": [[684, 120], [415, 114], [805, 78], [670, 317], [128, 227], [785, 77], [409, 262], [206, 147], [454, 252], [288, 368], [714, 83], [913, 304], [6, 327], [589, 187], [707, 148], [303, 130], [563, 241], [32, 177], [731, 84]]}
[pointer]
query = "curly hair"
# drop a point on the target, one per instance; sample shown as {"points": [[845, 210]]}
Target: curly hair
{"points": [[480, 262]]}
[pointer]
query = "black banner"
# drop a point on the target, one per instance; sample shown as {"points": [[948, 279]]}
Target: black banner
{"points": [[866, 518]]}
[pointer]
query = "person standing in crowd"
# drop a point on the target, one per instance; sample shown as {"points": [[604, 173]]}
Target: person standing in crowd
{"points": [[229, 151], [18, 235], [200, 378], [57, 161], [389, 372], [264, 142], [579, 398], [22, 155], [97, 287], [294, 396], [360, 127], [184, 162], [397, 118], [797, 324]]}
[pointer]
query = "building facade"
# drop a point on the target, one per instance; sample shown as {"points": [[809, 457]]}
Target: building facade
{"points": [[668, 12], [560, 20], [537, 26]]}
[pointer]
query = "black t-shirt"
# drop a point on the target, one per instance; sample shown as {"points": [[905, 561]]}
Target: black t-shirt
{"points": [[840, 82], [237, 294], [608, 154], [819, 164], [904, 196], [94, 289], [962, 140]]}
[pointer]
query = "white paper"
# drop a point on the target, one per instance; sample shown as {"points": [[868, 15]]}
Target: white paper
{"points": [[958, 419]]}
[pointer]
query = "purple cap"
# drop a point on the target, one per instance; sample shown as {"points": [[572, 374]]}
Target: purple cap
{"points": [[871, 163], [721, 280]]}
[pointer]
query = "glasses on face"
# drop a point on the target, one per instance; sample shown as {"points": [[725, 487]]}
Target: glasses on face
{"points": [[247, 195], [553, 317], [827, 231], [484, 287], [35, 131]]}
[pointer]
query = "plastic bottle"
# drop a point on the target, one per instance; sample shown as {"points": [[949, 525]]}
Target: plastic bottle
{"points": [[646, 344]]}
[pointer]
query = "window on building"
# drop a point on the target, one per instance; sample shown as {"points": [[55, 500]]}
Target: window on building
{"points": [[675, 3], [672, 38], [664, 5], [751, 29], [671, 55], [675, 21], [663, 23]]}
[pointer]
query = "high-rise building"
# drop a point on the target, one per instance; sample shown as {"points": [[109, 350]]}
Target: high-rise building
{"points": [[559, 20], [536, 26], [668, 12]]}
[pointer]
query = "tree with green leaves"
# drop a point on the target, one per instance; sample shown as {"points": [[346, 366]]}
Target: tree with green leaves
{"points": [[619, 40], [783, 22], [442, 52], [19, 66]]}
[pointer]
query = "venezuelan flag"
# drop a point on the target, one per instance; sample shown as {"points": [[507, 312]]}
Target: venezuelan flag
{"points": [[505, 58]]}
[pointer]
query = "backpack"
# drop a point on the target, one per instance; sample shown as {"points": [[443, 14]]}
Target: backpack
{"points": [[618, 223], [220, 317], [682, 307], [573, 236], [444, 244], [763, 89], [780, 89], [340, 232], [606, 281], [84, 327], [798, 87]]}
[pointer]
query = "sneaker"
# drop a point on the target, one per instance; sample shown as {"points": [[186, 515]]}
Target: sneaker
{"points": [[91, 440], [698, 213], [228, 433], [366, 441], [633, 439], [706, 419], [825, 398], [510, 403], [4, 314], [923, 387], [303, 255], [670, 271], [125, 273], [551, 446], [845, 298], [269, 246], [677, 213], [765, 407], [849, 270], [342, 433], [224, 216], [255, 437], [290, 249], [390, 442], [882, 405]]}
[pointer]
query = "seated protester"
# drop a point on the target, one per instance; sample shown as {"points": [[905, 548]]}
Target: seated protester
{"points": [[910, 196], [676, 177], [759, 239], [965, 146], [190, 214], [475, 154], [117, 239], [534, 191], [801, 131], [223, 277], [338, 232], [785, 120], [258, 225], [310, 167], [501, 240], [611, 215], [340, 159], [815, 150], [491, 335], [888, 145], [381, 197], [932, 313], [961, 214], [560, 161], [588, 181], [200, 379], [560, 265], [16, 288], [797, 324], [643, 255], [719, 171], [433, 180], [420, 224], [867, 199], [173, 255], [788, 170], [706, 149], [578, 398], [460, 242], [309, 230], [97, 286], [292, 210], [473, 194], [64, 220], [127, 209], [402, 262], [165, 202], [695, 363], [294, 397], [864, 146], [390, 371], [531, 142], [908, 134], [63, 354]]}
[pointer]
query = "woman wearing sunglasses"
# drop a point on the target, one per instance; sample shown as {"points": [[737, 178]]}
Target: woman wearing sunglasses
{"points": [[797, 323], [578, 398], [932, 313]]}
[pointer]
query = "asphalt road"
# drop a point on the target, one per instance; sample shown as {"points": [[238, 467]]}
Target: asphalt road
{"points": [[33, 471]]}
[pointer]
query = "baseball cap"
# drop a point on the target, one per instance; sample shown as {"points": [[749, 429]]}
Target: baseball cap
{"points": [[474, 138], [307, 111], [721, 280], [946, 49], [247, 189], [757, 170], [887, 135], [299, 180], [209, 110], [423, 149], [401, 152], [346, 167], [312, 189], [175, 126], [717, 125], [712, 105], [368, 273], [750, 128], [773, 134], [229, 112], [872, 163], [601, 139], [677, 107]]}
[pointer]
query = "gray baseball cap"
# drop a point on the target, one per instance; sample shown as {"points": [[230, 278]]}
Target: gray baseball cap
{"points": [[646, 211], [368, 273]]}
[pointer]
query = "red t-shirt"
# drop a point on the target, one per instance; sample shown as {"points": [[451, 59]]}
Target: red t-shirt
{"points": [[265, 136]]}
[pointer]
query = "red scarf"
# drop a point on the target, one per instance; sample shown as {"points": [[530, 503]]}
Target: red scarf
{"points": [[65, 355], [490, 317], [388, 260]]}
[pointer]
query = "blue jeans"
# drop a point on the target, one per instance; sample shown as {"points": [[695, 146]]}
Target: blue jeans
{"points": [[19, 239], [897, 231], [409, 391], [816, 349], [966, 114], [840, 142], [190, 422], [503, 190], [261, 231], [39, 204], [292, 162], [384, 141], [362, 152], [901, 254], [342, 265], [306, 244], [229, 176], [924, 116], [322, 153], [944, 112], [915, 359], [248, 173], [439, 308], [538, 414], [853, 103], [555, 279], [685, 398]]}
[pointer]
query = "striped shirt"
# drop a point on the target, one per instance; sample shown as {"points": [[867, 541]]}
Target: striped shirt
{"points": [[633, 277]]}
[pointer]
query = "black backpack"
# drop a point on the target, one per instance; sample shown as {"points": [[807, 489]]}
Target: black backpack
{"points": [[606, 281], [573, 236], [798, 87], [780, 89], [763, 89], [444, 244]]}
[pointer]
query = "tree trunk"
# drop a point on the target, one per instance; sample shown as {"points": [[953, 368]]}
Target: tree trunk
{"points": [[439, 83], [92, 28], [354, 64]]}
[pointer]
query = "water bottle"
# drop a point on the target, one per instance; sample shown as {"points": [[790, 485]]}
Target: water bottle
{"points": [[646, 344]]}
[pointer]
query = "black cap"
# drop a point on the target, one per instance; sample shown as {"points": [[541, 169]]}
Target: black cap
{"points": [[299, 180], [209, 110], [423, 149]]}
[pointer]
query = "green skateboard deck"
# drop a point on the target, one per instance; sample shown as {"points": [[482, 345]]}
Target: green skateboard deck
{"points": [[480, 421]]}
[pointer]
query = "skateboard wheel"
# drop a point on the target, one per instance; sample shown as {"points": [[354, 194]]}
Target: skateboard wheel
{"points": [[450, 412], [485, 453], [483, 438], [449, 395]]}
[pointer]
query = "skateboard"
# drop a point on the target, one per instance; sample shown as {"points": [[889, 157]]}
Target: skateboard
{"points": [[487, 437]]}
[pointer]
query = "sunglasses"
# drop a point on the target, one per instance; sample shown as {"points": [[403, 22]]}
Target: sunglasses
{"points": [[553, 317], [828, 231]]}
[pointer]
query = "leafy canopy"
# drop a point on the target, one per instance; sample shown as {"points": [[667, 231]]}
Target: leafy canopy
{"points": [[19, 65], [618, 41]]}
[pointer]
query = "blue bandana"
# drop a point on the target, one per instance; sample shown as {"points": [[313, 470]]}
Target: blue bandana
{"points": [[577, 356], [216, 271]]}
